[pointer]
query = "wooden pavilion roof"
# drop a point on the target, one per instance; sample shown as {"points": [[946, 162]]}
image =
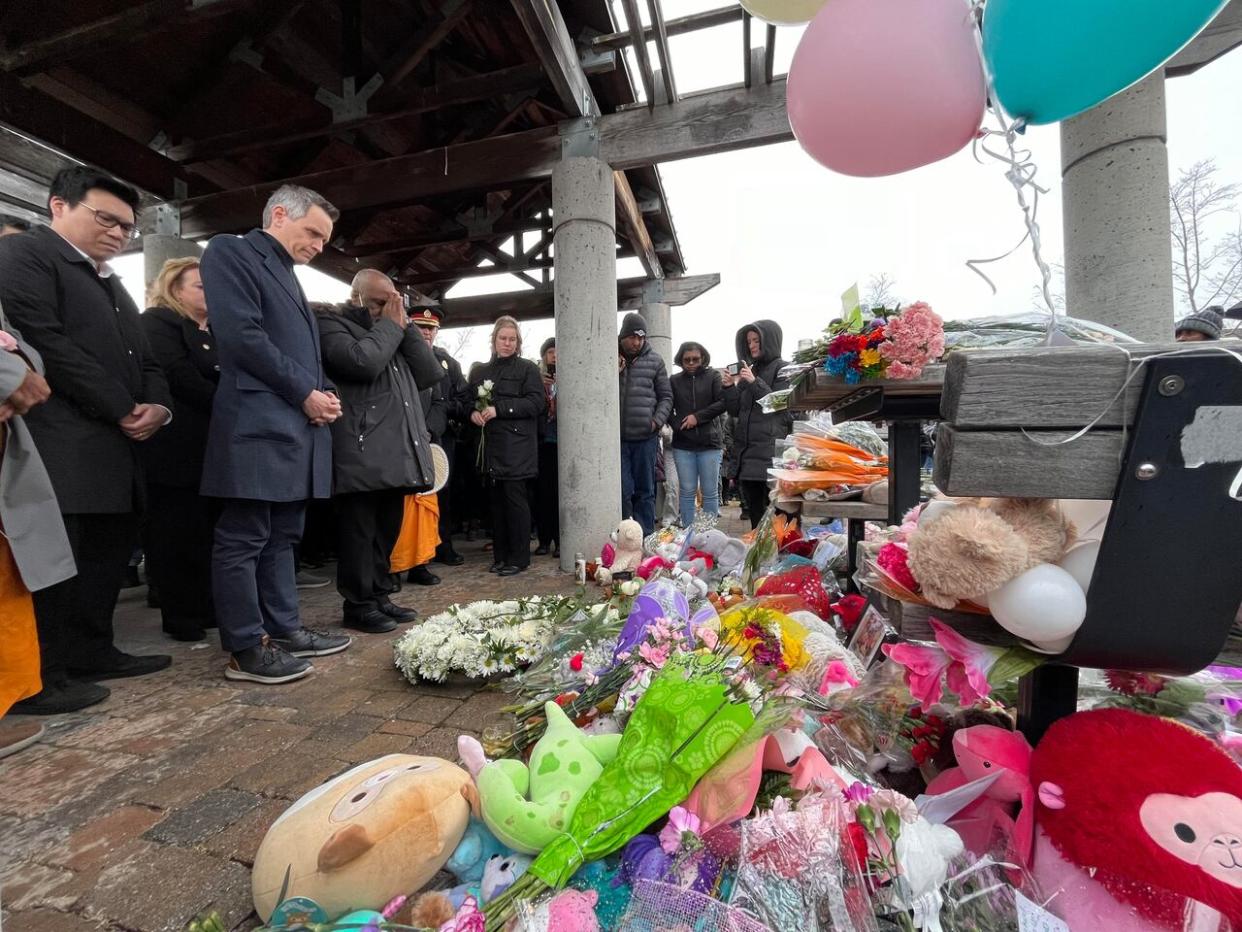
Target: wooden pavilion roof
{"points": [[189, 99]]}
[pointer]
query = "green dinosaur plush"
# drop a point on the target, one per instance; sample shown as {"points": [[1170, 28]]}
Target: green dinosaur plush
{"points": [[528, 806]]}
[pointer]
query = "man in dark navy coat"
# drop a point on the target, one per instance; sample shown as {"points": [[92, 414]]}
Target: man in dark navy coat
{"points": [[108, 396], [268, 448]]}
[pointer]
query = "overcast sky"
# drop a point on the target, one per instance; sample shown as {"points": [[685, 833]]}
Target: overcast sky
{"points": [[788, 236]]}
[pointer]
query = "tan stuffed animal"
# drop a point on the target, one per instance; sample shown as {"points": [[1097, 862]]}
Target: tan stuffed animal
{"points": [[969, 550], [627, 542], [380, 830]]}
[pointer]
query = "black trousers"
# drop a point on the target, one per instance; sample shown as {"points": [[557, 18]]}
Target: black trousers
{"points": [[367, 527], [177, 539], [448, 520], [74, 618], [548, 497], [755, 497], [511, 522], [254, 572]]}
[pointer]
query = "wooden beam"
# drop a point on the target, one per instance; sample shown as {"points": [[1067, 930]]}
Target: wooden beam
{"points": [[474, 271], [519, 79], [129, 23], [557, 54], [660, 31], [702, 124], [1221, 36], [636, 227], [34, 114], [638, 37], [538, 303], [86, 96], [444, 236], [411, 54], [674, 27]]}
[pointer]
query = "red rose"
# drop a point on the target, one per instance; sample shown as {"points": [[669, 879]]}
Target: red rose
{"points": [[575, 662], [850, 610]]}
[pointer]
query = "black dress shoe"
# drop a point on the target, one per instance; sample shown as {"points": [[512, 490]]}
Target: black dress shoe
{"points": [[184, 631], [61, 698], [118, 664], [398, 613], [311, 642], [266, 663], [510, 570], [421, 576], [542, 550], [557, 552], [375, 621], [495, 568], [449, 557]]}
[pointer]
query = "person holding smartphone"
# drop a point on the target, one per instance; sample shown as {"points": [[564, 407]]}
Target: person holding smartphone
{"points": [[698, 401], [746, 382]]}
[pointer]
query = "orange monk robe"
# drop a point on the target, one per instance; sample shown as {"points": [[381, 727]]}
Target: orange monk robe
{"points": [[19, 639], [420, 533]]}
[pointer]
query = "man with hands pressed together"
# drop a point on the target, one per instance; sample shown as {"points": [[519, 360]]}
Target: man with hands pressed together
{"points": [[108, 393], [268, 449]]}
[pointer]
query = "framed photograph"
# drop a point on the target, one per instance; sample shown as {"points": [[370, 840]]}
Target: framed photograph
{"points": [[869, 635]]}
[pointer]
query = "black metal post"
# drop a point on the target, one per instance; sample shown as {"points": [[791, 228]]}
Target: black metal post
{"points": [[1046, 694], [904, 468]]}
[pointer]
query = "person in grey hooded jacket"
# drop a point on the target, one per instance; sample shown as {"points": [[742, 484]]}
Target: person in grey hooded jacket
{"points": [[759, 352], [646, 403]]}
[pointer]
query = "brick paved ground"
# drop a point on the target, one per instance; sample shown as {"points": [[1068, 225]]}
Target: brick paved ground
{"points": [[145, 810]]}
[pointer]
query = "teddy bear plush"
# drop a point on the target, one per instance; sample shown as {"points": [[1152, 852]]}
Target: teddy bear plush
{"points": [[977, 546], [627, 542]]}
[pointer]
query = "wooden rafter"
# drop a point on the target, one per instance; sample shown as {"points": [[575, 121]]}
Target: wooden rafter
{"points": [[639, 41], [412, 53], [699, 124], [127, 23], [660, 33], [515, 80], [559, 57], [677, 26], [443, 236]]}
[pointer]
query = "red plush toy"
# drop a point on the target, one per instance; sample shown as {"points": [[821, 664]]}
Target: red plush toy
{"points": [[1141, 802]]}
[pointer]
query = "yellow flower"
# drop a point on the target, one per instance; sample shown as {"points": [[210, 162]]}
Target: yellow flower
{"points": [[869, 357]]}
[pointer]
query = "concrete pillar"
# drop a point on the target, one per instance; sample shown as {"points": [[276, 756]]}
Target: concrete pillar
{"points": [[158, 248], [660, 331], [588, 407], [1115, 196]]}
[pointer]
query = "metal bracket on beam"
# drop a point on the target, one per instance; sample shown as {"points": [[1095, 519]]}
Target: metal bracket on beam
{"points": [[349, 104], [653, 291], [579, 138], [167, 220]]}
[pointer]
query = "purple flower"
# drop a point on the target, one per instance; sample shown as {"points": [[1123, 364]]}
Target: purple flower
{"points": [[859, 792]]}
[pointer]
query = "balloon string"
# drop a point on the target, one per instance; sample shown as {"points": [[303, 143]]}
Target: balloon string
{"points": [[1020, 173]]}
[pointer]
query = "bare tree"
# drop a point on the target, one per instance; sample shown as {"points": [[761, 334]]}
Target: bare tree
{"points": [[881, 291], [456, 341], [1206, 224]]}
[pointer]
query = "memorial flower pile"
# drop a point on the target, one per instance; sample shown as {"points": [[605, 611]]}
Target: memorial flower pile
{"points": [[897, 345]]}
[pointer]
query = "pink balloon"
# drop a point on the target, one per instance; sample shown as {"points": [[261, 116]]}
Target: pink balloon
{"points": [[879, 87]]}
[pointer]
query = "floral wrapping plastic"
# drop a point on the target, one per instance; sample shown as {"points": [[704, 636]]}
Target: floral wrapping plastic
{"points": [[795, 873], [663, 907]]}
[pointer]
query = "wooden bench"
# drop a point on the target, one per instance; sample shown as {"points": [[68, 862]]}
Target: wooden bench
{"points": [[1168, 582]]}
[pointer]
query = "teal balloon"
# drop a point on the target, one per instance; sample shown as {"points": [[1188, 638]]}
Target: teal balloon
{"points": [[1052, 59]]}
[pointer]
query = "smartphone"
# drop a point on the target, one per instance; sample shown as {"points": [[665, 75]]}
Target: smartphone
{"points": [[734, 368], [552, 369], [407, 302]]}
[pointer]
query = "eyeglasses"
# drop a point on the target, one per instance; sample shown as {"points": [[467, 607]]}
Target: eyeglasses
{"points": [[109, 222]]}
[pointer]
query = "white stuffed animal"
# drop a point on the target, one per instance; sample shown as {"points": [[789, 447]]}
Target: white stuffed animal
{"points": [[627, 541]]}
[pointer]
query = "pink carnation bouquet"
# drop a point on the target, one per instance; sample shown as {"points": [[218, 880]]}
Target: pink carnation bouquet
{"points": [[914, 338]]}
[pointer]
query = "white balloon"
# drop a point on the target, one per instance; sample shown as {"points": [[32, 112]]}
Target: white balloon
{"points": [[1080, 563], [1043, 605], [1053, 647]]}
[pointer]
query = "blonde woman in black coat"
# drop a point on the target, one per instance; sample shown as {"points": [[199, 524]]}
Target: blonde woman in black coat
{"points": [[510, 425], [179, 521]]}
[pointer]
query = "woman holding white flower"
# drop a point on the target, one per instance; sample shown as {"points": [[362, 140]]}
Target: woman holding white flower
{"points": [[509, 399]]}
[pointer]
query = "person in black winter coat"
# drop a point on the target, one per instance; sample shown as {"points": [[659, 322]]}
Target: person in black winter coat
{"points": [[646, 403], [547, 489], [510, 441], [109, 396], [380, 445], [698, 401], [179, 521], [759, 352]]}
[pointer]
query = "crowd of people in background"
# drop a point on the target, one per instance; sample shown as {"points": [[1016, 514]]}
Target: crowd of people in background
{"points": [[201, 428]]}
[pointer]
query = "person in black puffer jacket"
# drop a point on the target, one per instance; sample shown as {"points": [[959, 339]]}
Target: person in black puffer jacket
{"points": [[698, 401], [510, 442], [759, 351], [646, 403]]}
